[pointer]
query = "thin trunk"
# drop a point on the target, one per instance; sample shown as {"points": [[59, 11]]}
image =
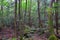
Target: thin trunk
{"points": [[39, 13], [2, 13], [45, 17], [20, 26], [56, 16], [25, 12], [30, 24], [15, 17], [44, 8], [19, 10], [8, 8]]}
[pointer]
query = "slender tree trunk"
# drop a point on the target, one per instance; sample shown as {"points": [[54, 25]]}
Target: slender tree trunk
{"points": [[25, 12], [2, 12], [38, 1], [8, 8], [19, 10], [30, 23], [15, 17], [45, 13], [56, 16], [20, 26], [44, 8]]}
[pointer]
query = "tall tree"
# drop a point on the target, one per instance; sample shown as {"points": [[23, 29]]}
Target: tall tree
{"points": [[15, 17], [45, 8], [19, 9], [2, 12], [56, 15], [39, 17], [20, 25], [29, 10], [50, 17], [45, 13], [25, 12]]}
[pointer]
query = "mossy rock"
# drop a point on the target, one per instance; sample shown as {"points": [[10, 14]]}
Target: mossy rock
{"points": [[52, 37]]}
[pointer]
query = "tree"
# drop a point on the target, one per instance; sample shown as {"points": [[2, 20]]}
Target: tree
{"points": [[45, 13], [15, 17], [2, 12], [20, 1], [39, 13], [25, 12], [29, 10], [20, 28], [56, 15], [50, 19]]}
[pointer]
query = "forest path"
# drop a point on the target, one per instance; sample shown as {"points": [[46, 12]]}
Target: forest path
{"points": [[37, 37]]}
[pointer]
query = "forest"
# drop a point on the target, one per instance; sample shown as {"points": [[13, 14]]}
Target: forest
{"points": [[29, 19]]}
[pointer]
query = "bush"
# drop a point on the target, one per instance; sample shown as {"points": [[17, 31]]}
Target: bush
{"points": [[52, 37], [27, 29], [13, 38], [21, 37]]}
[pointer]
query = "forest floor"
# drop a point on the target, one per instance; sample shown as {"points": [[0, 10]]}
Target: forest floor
{"points": [[9, 33], [37, 37]]}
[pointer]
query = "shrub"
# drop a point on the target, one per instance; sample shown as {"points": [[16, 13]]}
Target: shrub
{"points": [[13, 38], [52, 37]]}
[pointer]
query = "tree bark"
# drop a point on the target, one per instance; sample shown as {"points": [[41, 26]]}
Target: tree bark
{"points": [[19, 10], [45, 13], [50, 18], [30, 23], [56, 16], [44, 8], [25, 13], [38, 1], [2, 13], [15, 23]]}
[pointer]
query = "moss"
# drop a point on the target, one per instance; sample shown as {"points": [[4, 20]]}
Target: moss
{"points": [[13, 38], [52, 37]]}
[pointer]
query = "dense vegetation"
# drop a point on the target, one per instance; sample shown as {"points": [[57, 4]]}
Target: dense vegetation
{"points": [[24, 18]]}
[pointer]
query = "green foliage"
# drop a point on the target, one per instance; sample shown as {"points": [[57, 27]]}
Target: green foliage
{"points": [[24, 3], [49, 9], [52, 37], [50, 20], [13, 38], [51, 29], [4, 2], [34, 13], [27, 29], [41, 32], [55, 4], [21, 37]]}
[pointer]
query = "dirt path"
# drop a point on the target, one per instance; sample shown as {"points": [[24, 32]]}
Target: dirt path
{"points": [[37, 37]]}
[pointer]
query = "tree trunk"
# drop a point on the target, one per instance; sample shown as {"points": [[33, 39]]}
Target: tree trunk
{"points": [[19, 10], [30, 23], [2, 13], [56, 16], [15, 17], [39, 13], [50, 18], [45, 13], [25, 12]]}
